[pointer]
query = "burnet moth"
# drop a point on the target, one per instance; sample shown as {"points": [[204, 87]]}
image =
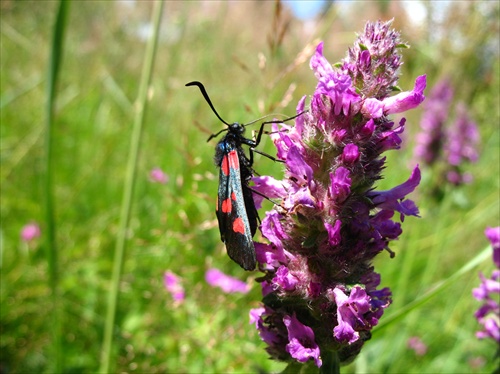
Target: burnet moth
{"points": [[236, 212]]}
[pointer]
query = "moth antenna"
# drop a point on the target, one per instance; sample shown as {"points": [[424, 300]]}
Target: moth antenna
{"points": [[278, 120], [207, 99]]}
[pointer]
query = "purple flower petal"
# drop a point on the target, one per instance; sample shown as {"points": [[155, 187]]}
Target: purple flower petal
{"points": [[491, 330], [368, 129], [333, 233], [272, 229], [267, 288], [350, 310], [255, 315], [406, 100], [299, 121], [269, 257], [284, 279], [391, 139], [338, 87], [390, 200], [298, 167], [226, 283], [493, 235], [350, 154], [300, 196], [269, 187], [372, 108], [281, 136], [319, 64], [302, 345], [487, 287], [340, 186], [385, 226]]}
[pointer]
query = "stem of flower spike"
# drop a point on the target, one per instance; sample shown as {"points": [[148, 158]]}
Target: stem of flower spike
{"points": [[135, 138], [331, 365]]}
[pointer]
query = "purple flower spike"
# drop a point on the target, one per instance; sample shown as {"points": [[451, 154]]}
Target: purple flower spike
{"points": [[461, 146], [463, 138], [453, 145], [489, 293], [320, 292], [431, 140], [226, 283]]}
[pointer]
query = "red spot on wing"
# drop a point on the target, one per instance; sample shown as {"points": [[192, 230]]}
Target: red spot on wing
{"points": [[224, 166], [239, 226], [234, 162], [233, 196], [227, 206]]}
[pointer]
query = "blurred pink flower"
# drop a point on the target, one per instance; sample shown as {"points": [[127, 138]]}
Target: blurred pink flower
{"points": [[30, 231], [226, 283], [157, 175], [417, 345], [173, 285]]}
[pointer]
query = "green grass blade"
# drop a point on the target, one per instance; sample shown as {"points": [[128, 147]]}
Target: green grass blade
{"points": [[441, 286], [129, 184], [48, 184]]}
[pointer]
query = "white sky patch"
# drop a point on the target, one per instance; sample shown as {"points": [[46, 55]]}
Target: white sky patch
{"points": [[416, 10]]}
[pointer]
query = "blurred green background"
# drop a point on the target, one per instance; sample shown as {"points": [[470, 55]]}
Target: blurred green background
{"points": [[253, 58]]}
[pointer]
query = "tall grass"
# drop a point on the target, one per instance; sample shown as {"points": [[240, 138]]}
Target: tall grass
{"points": [[51, 248], [129, 184], [173, 226]]}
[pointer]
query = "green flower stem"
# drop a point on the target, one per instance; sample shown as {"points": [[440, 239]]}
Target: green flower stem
{"points": [[331, 365], [129, 184], [50, 242]]}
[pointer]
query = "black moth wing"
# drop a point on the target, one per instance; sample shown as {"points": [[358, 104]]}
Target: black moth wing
{"points": [[236, 211]]}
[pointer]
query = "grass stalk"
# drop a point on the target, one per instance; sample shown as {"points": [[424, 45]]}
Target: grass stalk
{"points": [[129, 184], [50, 242], [438, 288]]}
